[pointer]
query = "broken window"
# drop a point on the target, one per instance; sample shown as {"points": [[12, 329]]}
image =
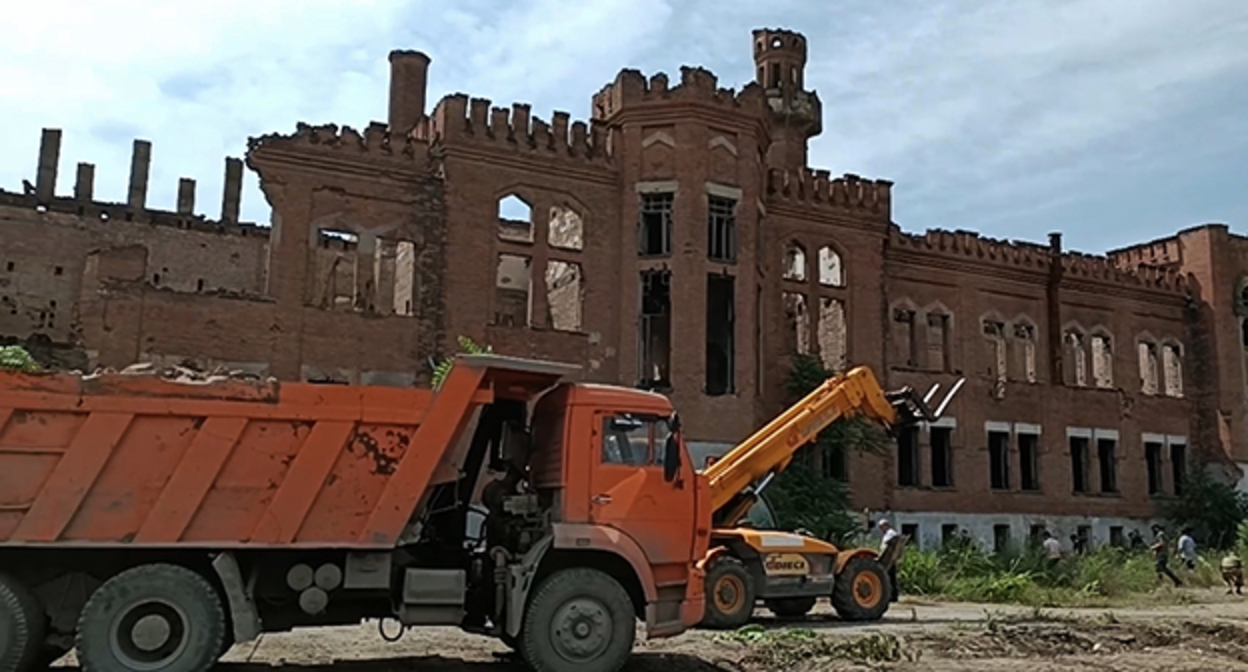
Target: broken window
{"points": [[1108, 463], [999, 460], [336, 260], [832, 334], [1148, 368], [948, 534], [1025, 351], [515, 219], [512, 291], [1152, 459], [720, 334], [942, 456], [938, 342], [1029, 461], [994, 333], [835, 464], [564, 295], [655, 228], [1178, 466], [1173, 362], [908, 457], [405, 278], [831, 274], [1000, 538], [1116, 538], [904, 338], [566, 229], [798, 316], [1077, 370], [656, 330], [721, 229], [1079, 463], [1102, 361], [795, 262]]}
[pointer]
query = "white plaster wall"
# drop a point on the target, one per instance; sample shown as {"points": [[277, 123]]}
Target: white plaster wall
{"points": [[980, 526]]}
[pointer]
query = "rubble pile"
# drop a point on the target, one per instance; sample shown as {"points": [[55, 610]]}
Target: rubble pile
{"points": [[181, 374]]}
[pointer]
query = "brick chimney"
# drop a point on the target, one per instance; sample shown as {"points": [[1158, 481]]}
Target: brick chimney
{"points": [[408, 77]]}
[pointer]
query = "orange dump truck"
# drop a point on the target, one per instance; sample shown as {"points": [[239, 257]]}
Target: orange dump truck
{"points": [[151, 524]]}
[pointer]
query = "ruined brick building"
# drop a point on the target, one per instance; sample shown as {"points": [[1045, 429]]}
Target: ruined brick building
{"points": [[678, 241]]}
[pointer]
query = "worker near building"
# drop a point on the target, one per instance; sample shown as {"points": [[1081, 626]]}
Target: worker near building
{"points": [[1161, 555], [890, 537], [1187, 548], [1052, 548], [1233, 574], [1136, 540]]}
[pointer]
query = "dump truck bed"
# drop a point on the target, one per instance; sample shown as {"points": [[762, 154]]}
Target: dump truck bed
{"points": [[137, 460]]}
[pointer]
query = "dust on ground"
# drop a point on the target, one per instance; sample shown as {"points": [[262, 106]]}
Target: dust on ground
{"points": [[1209, 634]]}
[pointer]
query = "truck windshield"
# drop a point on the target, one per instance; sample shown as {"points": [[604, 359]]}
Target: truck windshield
{"points": [[760, 516]]}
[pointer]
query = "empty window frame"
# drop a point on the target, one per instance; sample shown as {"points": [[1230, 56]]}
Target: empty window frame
{"points": [[515, 219], [1025, 351], [994, 340], [1028, 461], [1172, 362], [795, 262], [1107, 460], [1076, 359], [908, 457], [797, 319], [1150, 369], [831, 270], [938, 342], [655, 327], [1078, 463], [654, 237], [1178, 466], [905, 338], [564, 295], [941, 447], [512, 291], [832, 334], [720, 334], [1102, 361], [999, 460], [1153, 465], [567, 229], [721, 229]]}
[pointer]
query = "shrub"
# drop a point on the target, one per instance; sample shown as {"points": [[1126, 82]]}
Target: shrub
{"points": [[16, 358], [467, 346], [1215, 510]]}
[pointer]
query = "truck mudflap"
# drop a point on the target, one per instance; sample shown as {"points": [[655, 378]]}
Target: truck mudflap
{"points": [[243, 612], [520, 582]]}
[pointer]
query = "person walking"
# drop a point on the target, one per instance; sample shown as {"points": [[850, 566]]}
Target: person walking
{"points": [[890, 537], [1233, 574], [1052, 548], [1161, 556], [1187, 549]]}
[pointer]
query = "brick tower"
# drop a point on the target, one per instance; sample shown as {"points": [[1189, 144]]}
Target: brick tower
{"points": [[796, 114]]}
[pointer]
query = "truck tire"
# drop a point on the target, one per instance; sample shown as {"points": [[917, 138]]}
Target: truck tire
{"points": [[730, 595], [151, 617], [791, 607], [861, 591], [21, 626], [579, 620]]}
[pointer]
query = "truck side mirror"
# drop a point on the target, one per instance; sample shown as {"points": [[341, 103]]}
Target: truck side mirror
{"points": [[671, 458]]}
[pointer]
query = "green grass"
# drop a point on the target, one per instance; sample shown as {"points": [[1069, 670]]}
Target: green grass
{"points": [[1107, 576]]}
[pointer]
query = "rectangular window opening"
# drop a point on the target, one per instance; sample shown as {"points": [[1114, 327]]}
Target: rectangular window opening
{"points": [[999, 460], [1029, 461], [1079, 463], [911, 531], [836, 464], [565, 292], [655, 236], [405, 281], [938, 342], [1116, 538], [512, 291], [905, 339], [948, 534], [1152, 461], [908, 457], [1108, 464], [942, 456], [721, 229], [720, 334], [1000, 538], [655, 326], [1178, 466]]}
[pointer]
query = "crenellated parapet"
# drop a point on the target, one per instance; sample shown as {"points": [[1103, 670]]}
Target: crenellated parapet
{"points": [[377, 140], [697, 85], [817, 190], [970, 246], [460, 119]]}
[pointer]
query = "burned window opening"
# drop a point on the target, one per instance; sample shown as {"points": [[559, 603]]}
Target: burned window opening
{"points": [[1152, 461], [905, 338], [567, 229], [1172, 361], [199, 285], [564, 295], [999, 460], [515, 219], [942, 456], [908, 458], [797, 316], [1178, 467], [832, 334], [1149, 368], [720, 334], [512, 291], [655, 325], [1079, 464], [1000, 538], [655, 226], [831, 272], [721, 229], [337, 274], [1102, 361], [1108, 464], [795, 262]]}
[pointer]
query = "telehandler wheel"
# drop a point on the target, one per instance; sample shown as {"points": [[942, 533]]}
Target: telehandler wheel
{"points": [[152, 617], [579, 620], [862, 590], [21, 626], [791, 607], [729, 595]]}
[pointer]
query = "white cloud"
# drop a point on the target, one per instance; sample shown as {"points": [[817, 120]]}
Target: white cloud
{"points": [[1012, 117]]}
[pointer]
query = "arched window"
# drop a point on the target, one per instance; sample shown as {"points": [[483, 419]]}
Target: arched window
{"points": [[795, 262], [1077, 358], [515, 219], [567, 231], [1149, 369], [1172, 362], [831, 272], [1102, 361]]}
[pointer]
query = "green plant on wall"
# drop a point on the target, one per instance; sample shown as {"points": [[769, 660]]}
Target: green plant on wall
{"points": [[467, 346], [16, 358]]}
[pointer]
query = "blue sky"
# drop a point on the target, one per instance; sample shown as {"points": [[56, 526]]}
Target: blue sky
{"points": [[1113, 121]]}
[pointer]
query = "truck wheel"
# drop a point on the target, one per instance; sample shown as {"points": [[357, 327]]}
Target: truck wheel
{"points": [[861, 592], [729, 595], [791, 607], [152, 617], [21, 626], [579, 620]]}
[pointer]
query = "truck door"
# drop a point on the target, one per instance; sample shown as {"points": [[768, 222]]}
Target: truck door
{"points": [[628, 489]]}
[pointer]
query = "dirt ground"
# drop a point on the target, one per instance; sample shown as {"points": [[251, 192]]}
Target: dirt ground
{"points": [[1211, 634]]}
